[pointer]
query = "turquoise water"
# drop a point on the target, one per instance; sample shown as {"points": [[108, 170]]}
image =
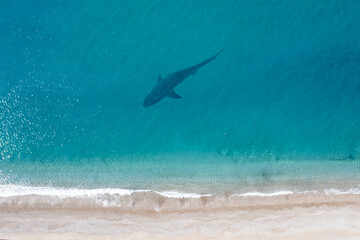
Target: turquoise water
{"points": [[280, 104]]}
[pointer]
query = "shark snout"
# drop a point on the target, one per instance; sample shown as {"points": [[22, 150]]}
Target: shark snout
{"points": [[149, 101], [145, 104]]}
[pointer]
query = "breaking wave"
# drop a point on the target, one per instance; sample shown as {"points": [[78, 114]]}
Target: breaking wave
{"points": [[15, 196]]}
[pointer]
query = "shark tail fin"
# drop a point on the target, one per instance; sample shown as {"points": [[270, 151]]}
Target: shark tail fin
{"points": [[217, 54]]}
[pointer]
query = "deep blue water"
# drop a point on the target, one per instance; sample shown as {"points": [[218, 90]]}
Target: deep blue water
{"points": [[74, 74]]}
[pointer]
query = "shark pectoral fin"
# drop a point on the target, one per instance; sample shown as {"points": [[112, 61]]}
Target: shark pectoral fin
{"points": [[173, 94], [159, 79]]}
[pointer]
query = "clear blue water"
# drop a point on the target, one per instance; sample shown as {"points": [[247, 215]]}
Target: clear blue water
{"points": [[282, 102]]}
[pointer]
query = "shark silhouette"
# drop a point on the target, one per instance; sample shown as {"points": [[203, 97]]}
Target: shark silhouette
{"points": [[165, 87]]}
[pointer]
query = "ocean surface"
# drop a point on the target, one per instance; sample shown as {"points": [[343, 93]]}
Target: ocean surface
{"points": [[277, 112]]}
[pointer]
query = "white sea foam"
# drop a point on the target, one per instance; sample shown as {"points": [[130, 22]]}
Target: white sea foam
{"points": [[342, 192], [10, 190], [174, 194], [260, 194], [138, 200], [18, 190]]}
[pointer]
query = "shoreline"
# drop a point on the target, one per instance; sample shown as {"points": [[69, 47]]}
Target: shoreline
{"points": [[123, 200], [50, 213], [296, 217]]}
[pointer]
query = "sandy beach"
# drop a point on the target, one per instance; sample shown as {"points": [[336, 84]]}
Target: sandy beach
{"points": [[184, 120], [304, 216]]}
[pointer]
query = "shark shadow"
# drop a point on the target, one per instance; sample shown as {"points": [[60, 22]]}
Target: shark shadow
{"points": [[165, 87]]}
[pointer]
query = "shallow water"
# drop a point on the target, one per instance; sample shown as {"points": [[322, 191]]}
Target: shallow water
{"points": [[279, 108]]}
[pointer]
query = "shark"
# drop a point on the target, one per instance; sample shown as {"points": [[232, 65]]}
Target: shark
{"points": [[165, 86]]}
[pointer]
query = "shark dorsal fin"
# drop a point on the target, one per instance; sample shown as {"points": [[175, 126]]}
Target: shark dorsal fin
{"points": [[173, 94], [159, 79]]}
